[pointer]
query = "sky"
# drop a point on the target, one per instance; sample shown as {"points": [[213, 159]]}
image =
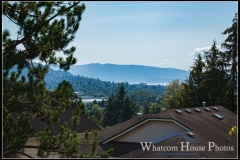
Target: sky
{"points": [[150, 33]]}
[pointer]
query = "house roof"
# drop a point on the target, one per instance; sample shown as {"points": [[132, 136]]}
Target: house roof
{"points": [[205, 127], [84, 125], [117, 129]]}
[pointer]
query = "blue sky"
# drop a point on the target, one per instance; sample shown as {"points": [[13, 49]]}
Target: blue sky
{"points": [[161, 34]]}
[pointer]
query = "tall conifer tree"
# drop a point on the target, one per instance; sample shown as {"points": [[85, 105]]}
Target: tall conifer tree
{"points": [[43, 30], [230, 44], [215, 77]]}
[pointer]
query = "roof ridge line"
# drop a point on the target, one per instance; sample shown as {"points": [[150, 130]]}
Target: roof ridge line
{"points": [[144, 119], [125, 121]]}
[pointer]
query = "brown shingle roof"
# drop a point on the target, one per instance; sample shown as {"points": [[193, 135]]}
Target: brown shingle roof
{"points": [[84, 125], [120, 148], [204, 125], [121, 127], [176, 142]]}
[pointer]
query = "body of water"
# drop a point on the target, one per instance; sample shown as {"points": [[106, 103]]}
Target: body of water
{"points": [[91, 100]]}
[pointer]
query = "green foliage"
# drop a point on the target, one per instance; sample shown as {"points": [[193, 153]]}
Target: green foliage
{"points": [[147, 110], [230, 44], [96, 114], [215, 80], [44, 28], [104, 155], [172, 97], [193, 91], [79, 109], [119, 108], [154, 108], [70, 147], [110, 112], [84, 86], [143, 98], [92, 141], [107, 154], [215, 76], [141, 95], [128, 111]]}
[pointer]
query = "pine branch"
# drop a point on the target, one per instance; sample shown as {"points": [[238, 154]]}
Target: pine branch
{"points": [[35, 29]]}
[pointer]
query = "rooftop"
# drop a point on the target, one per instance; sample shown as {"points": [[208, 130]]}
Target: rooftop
{"points": [[84, 125], [204, 125]]}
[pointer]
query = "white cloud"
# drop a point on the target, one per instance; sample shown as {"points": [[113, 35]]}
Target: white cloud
{"points": [[196, 51], [188, 60], [167, 60]]}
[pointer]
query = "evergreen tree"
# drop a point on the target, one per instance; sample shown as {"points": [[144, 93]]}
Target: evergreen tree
{"points": [[118, 108], [141, 97], [215, 78], [109, 112], [207, 81], [232, 58], [146, 110], [44, 28], [128, 111], [193, 92], [120, 98]]}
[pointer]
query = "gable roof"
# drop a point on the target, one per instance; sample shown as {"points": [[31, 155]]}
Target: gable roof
{"points": [[120, 128], [84, 125], [204, 125], [144, 122]]}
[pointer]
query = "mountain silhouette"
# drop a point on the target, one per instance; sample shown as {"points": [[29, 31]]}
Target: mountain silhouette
{"points": [[133, 74]]}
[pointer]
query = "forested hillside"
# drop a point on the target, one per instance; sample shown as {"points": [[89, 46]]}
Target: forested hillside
{"points": [[141, 94], [87, 86], [133, 74]]}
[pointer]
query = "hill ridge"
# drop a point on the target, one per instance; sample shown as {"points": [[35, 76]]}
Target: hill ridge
{"points": [[134, 74]]}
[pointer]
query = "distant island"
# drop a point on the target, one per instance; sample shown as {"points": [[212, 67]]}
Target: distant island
{"points": [[133, 74]]}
